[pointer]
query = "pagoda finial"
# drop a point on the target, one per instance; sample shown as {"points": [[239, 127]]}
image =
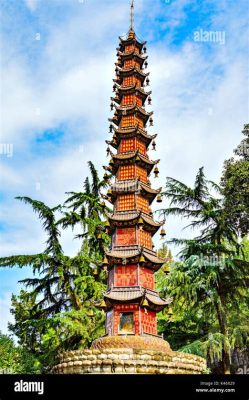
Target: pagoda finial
{"points": [[132, 15]]}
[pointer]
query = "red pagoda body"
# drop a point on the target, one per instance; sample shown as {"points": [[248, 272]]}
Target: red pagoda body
{"points": [[131, 300]]}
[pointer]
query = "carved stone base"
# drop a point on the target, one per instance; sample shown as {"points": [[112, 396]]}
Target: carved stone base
{"points": [[128, 361], [131, 342]]}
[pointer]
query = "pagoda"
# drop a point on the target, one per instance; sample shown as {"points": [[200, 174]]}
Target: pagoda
{"points": [[131, 344], [131, 301]]}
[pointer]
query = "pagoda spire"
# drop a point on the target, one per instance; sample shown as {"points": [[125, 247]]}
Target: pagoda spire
{"points": [[132, 16]]}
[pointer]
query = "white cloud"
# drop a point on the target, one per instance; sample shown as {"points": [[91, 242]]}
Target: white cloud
{"points": [[5, 316], [31, 4], [199, 111]]}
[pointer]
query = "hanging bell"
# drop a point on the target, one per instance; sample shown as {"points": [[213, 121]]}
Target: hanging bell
{"points": [[102, 204], [162, 233], [140, 222], [91, 313], [116, 70], [151, 121], [145, 303], [108, 151], [106, 177], [105, 262], [153, 246], [153, 145], [156, 172], [102, 304], [170, 312], [109, 192], [107, 224], [146, 64], [149, 100], [95, 271], [112, 106], [114, 88], [166, 270], [147, 81], [141, 259], [111, 162], [145, 49], [110, 128], [159, 198], [99, 236]]}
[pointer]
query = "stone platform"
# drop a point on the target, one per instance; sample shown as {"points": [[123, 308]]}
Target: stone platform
{"points": [[108, 357]]}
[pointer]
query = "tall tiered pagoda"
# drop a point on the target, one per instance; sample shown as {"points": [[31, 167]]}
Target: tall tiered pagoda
{"points": [[131, 344], [131, 300]]}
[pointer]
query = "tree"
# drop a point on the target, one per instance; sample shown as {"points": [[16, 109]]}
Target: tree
{"points": [[59, 311], [14, 359], [211, 277], [235, 186]]}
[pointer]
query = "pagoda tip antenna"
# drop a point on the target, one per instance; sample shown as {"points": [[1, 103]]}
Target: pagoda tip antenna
{"points": [[132, 14]]}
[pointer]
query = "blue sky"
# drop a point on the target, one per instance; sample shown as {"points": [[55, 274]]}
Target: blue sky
{"points": [[56, 95]]}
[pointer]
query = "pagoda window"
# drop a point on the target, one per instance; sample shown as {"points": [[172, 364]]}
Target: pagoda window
{"points": [[149, 322], [128, 64], [126, 323], [142, 204], [139, 101], [139, 122], [141, 147], [137, 50], [126, 172], [144, 238], [129, 48], [127, 145], [126, 202], [146, 277], [137, 82], [126, 275], [127, 121], [128, 81], [136, 64], [125, 236], [128, 99], [142, 174]]}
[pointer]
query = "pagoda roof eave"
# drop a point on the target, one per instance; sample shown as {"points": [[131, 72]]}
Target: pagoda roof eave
{"points": [[118, 218], [133, 154], [131, 40], [134, 129], [127, 294], [132, 55], [133, 107], [133, 70], [132, 254], [134, 87], [133, 185]]}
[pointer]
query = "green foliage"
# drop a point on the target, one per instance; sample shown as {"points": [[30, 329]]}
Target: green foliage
{"points": [[15, 359], [211, 280], [235, 186], [57, 310]]}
